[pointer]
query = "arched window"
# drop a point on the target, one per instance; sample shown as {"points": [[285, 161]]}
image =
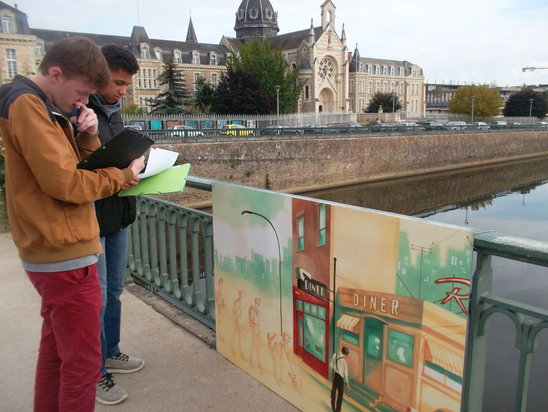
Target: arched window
{"points": [[7, 26], [145, 52], [177, 57]]}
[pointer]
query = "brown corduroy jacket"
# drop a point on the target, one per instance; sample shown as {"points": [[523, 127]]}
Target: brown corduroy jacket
{"points": [[50, 201]]}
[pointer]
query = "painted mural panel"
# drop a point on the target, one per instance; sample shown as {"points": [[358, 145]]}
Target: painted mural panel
{"points": [[299, 279]]}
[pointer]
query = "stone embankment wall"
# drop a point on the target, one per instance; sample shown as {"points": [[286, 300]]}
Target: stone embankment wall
{"points": [[302, 163]]}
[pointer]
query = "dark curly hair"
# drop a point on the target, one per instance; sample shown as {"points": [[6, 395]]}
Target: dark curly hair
{"points": [[119, 58]]}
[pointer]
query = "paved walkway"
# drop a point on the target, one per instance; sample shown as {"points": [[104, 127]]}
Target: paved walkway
{"points": [[182, 371]]}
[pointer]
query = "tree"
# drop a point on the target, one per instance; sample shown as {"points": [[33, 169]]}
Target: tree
{"points": [[388, 101], [174, 97], [519, 104], [269, 65], [487, 101], [205, 95], [240, 92]]}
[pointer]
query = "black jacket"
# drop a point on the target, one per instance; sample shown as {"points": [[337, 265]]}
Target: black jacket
{"points": [[113, 213]]}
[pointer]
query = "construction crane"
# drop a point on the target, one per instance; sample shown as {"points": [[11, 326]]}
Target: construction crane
{"points": [[531, 68]]}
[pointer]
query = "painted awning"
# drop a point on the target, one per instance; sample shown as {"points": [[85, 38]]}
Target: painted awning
{"points": [[349, 323], [446, 358]]}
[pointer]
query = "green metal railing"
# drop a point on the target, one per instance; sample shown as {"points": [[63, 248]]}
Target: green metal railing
{"points": [[529, 321], [171, 253]]}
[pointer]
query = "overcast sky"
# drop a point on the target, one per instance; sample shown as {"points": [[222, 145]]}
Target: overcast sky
{"points": [[472, 41]]}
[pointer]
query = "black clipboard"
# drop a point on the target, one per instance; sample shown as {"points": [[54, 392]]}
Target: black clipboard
{"points": [[119, 151]]}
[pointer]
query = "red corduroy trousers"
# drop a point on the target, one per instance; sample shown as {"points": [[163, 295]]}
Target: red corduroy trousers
{"points": [[69, 358]]}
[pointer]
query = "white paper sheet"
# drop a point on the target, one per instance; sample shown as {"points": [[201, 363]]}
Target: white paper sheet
{"points": [[158, 161]]}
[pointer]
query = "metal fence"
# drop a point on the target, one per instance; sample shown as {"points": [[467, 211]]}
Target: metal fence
{"points": [[330, 130], [171, 253], [204, 121]]}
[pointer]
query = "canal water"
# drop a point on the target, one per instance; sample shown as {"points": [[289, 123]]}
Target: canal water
{"points": [[511, 198]]}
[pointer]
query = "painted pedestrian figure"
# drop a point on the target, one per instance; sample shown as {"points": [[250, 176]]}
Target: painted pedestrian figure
{"points": [[340, 378]]}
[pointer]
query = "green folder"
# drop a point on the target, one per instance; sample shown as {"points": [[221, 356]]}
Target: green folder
{"points": [[169, 181]]}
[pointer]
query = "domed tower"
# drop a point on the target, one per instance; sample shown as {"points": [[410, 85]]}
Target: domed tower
{"points": [[256, 18]]}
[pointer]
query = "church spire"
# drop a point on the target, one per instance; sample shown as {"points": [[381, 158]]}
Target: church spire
{"points": [[191, 34], [343, 36], [311, 33]]}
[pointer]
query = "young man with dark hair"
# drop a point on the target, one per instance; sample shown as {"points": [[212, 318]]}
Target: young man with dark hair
{"points": [[51, 215], [114, 214], [340, 378]]}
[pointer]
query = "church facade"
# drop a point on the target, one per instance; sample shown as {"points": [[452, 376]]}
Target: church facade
{"points": [[332, 76]]}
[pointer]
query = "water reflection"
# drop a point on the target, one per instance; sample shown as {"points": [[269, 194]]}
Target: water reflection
{"points": [[423, 195]]}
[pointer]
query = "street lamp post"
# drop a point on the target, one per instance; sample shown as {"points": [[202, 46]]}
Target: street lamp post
{"points": [[473, 102], [278, 100], [393, 106], [249, 212], [530, 107]]}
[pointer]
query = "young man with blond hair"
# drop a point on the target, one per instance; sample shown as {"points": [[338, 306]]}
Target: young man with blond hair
{"points": [[51, 214]]}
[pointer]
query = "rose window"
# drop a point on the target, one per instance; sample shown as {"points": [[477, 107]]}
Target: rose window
{"points": [[326, 69]]}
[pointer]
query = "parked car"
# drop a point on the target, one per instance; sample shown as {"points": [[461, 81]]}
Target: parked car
{"points": [[542, 125], [236, 130], [457, 125], [499, 124], [384, 128], [350, 127], [279, 129], [320, 128], [432, 125], [480, 126], [514, 124], [182, 130], [135, 126], [409, 126]]}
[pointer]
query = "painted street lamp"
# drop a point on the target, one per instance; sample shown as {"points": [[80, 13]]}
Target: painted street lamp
{"points": [[278, 100], [249, 212], [530, 107]]}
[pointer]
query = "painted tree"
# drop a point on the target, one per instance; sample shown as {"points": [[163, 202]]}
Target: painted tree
{"points": [[388, 101], [487, 101], [525, 101], [175, 97], [240, 92]]}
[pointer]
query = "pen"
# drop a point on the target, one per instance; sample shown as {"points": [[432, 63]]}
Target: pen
{"points": [[78, 110]]}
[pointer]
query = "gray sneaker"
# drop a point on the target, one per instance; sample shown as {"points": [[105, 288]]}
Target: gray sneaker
{"points": [[122, 363], [109, 392]]}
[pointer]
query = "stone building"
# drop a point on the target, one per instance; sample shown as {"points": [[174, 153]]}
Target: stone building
{"points": [[192, 58], [20, 50], [319, 52], [335, 81], [368, 76]]}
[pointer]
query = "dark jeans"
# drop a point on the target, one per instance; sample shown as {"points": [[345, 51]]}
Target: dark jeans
{"points": [[112, 270], [337, 392]]}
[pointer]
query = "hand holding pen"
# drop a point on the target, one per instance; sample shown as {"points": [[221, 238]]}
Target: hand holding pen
{"points": [[85, 119]]}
